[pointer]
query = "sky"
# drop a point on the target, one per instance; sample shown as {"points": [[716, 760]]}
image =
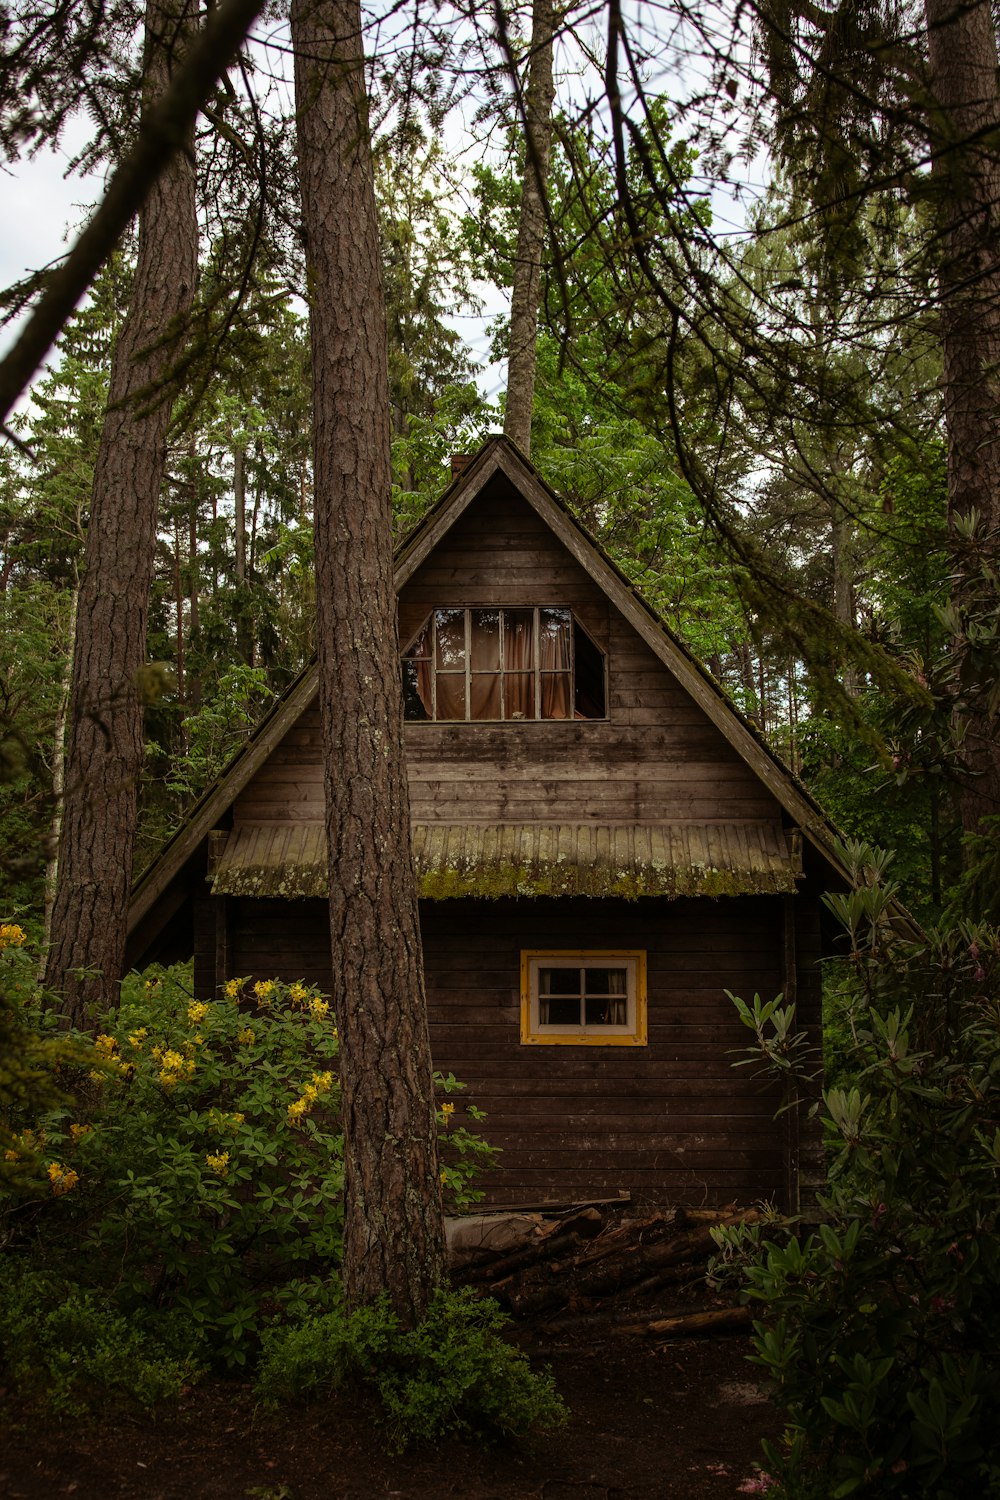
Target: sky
{"points": [[42, 209]]}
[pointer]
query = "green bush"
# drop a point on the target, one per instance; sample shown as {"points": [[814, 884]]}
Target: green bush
{"points": [[192, 1182], [452, 1376], [882, 1327], [203, 1175], [67, 1347]]}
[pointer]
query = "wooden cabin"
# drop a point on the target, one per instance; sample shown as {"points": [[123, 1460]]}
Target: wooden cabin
{"points": [[603, 847]]}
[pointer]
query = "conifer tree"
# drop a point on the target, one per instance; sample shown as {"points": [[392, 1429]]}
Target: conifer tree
{"points": [[105, 742], [393, 1228]]}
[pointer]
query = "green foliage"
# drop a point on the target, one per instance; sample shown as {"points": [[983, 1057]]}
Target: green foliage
{"points": [[464, 1153], [187, 1191], [36, 1071], [452, 1376], [199, 1185], [66, 1347], [882, 1327]]}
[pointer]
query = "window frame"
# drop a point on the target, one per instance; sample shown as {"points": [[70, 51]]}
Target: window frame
{"points": [[635, 1032], [537, 671]]}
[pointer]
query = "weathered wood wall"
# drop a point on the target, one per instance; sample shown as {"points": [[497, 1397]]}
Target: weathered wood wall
{"points": [[657, 757], [671, 1121]]}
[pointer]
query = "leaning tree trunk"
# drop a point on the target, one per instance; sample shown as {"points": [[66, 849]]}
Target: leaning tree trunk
{"points": [[393, 1232], [538, 103], [105, 747], [965, 146]]}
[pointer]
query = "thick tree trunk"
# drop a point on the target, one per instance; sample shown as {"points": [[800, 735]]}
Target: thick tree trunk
{"points": [[105, 747], [393, 1232], [538, 103], [965, 146]]}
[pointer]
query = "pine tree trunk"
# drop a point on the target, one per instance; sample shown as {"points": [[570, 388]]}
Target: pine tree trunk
{"points": [[965, 131], [538, 103], [59, 770], [244, 639], [105, 746], [393, 1232]]}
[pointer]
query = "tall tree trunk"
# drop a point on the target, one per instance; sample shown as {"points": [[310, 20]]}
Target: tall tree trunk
{"points": [[244, 640], [965, 142], [393, 1231], [59, 769], [539, 98], [194, 581], [105, 747], [179, 616]]}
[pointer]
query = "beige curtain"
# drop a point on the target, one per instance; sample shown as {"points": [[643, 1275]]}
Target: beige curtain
{"points": [[485, 664], [519, 663], [554, 660]]}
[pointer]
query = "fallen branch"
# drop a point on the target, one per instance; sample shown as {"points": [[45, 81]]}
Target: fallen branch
{"points": [[693, 1325]]}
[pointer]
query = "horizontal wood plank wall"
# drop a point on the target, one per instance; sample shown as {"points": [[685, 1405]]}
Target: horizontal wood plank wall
{"points": [[669, 1122], [656, 759]]}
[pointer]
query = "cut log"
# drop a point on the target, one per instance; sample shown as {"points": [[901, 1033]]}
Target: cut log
{"points": [[695, 1325]]}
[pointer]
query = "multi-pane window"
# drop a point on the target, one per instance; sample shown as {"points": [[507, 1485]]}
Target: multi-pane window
{"points": [[503, 664], [583, 997]]}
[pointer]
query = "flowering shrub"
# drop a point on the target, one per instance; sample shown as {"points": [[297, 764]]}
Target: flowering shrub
{"points": [[194, 1184], [882, 1327], [183, 1181]]}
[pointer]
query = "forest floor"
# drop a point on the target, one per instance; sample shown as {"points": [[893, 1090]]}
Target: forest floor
{"points": [[682, 1421]]}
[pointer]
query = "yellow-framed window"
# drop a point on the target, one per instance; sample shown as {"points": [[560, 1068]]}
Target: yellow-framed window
{"points": [[592, 997]]}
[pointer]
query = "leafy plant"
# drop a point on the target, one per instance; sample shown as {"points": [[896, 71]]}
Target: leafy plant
{"points": [[66, 1345], [188, 1188], [453, 1375], [882, 1326]]}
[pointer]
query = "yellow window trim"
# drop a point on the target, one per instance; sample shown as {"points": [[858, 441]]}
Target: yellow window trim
{"points": [[635, 1038]]}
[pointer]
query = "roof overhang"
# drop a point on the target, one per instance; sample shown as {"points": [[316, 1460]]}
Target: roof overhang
{"points": [[527, 859]]}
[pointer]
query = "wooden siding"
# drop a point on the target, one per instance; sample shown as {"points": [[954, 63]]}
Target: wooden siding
{"points": [[656, 759], [671, 1121]]}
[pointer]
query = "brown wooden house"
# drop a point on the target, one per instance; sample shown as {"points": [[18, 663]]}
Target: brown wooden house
{"points": [[603, 847]]}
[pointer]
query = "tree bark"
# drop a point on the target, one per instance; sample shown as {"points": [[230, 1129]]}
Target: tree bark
{"points": [[393, 1231], [965, 149], [522, 354], [105, 748]]}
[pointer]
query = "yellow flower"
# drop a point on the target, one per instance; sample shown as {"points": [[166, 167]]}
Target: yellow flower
{"points": [[11, 936], [296, 1110], [136, 1039], [197, 1012], [310, 1093], [218, 1163], [297, 992], [10, 1156], [446, 1111], [319, 1008], [63, 1179], [174, 1068], [231, 988], [262, 989], [323, 1081], [105, 1045], [246, 1037], [79, 1131]]}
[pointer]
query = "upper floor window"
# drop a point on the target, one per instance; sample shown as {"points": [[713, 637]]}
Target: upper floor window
{"points": [[503, 664]]}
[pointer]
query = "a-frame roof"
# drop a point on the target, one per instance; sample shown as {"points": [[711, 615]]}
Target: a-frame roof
{"points": [[499, 456]]}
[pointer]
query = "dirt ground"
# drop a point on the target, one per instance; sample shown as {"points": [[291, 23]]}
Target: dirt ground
{"points": [[682, 1422]]}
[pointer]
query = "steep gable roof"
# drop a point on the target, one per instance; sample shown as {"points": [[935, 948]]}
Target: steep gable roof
{"points": [[499, 456]]}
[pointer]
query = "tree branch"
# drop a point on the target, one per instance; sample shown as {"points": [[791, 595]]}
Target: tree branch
{"points": [[161, 134]]}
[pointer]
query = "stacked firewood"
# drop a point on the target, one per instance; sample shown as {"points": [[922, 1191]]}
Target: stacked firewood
{"points": [[589, 1266]]}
